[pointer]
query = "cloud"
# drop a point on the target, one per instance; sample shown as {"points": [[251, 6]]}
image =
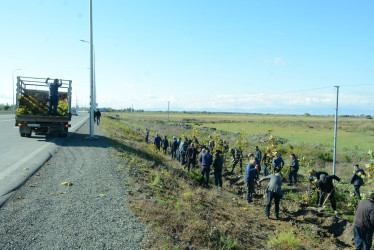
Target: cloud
{"points": [[256, 103], [275, 62]]}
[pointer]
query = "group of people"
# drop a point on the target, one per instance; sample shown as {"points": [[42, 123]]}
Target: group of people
{"points": [[189, 153]]}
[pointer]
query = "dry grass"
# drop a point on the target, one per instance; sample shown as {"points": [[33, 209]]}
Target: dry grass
{"points": [[180, 214]]}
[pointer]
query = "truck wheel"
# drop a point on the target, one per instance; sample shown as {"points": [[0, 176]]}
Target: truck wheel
{"points": [[28, 135], [22, 134]]}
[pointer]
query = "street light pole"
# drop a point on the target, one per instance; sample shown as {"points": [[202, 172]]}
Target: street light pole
{"points": [[13, 86], [91, 76], [93, 86]]}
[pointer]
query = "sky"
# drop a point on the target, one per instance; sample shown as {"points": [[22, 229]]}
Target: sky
{"points": [[280, 57]]}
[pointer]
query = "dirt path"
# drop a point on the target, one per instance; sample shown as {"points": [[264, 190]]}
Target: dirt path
{"points": [[92, 213]]}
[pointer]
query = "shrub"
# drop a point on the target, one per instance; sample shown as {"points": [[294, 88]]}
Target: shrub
{"points": [[284, 240], [327, 157]]}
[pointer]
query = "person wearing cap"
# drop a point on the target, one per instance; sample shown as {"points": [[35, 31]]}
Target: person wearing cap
{"points": [[218, 165], [363, 225], [267, 160], [294, 168], [251, 175], [326, 187], [173, 147], [53, 95], [278, 163], [274, 191], [357, 180], [313, 178]]}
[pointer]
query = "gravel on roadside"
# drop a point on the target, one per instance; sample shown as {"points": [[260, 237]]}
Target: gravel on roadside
{"points": [[92, 213]]}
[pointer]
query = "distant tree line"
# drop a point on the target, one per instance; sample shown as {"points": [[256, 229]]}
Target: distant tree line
{"points": [[6, 107]]}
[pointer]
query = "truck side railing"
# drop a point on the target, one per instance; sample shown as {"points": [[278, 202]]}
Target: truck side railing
{"points": [[25, 84]]}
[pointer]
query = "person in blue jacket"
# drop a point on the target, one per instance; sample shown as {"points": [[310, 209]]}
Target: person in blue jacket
{"points": [[357, 180], [278, 163], [53, 95], [251, 175], [206, 162]]}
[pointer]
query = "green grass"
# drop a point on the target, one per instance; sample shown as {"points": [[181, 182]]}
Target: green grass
{"points": [[284, 240]]}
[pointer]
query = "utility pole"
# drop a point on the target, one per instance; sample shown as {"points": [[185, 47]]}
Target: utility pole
{"points": [[336, 127], [92, 133]]}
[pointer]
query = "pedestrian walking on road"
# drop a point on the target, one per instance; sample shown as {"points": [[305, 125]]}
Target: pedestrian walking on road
{"points": [[98, 115], [274, 191], [363, 225], [357, 180]]}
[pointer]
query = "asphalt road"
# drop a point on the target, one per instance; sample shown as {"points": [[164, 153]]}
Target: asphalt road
{"points": [[92, 212], [22, 156]]}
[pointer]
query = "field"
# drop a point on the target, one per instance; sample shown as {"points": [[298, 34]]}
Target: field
{"points": [[183, 215]]}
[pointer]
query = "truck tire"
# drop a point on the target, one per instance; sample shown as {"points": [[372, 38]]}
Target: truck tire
{"points": [[22, 134], [28, 135]]}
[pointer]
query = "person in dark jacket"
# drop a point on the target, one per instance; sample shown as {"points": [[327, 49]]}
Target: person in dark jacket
{"points": [[313, 178], [165, 144], [146, 135], [251, 175], [326, 187], [191, 156], [183, 150], [237, 155], [173, 147], [258, 155], [294, 168], [98, 116], [157, 141], [267, 160], [252, 157], [363, 225], [206, 162], [218, 165], [53, 95], [274, 191], [357, 180]]}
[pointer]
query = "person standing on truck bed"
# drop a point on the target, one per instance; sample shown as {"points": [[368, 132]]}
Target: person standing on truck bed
{"points": [[53, 95]]}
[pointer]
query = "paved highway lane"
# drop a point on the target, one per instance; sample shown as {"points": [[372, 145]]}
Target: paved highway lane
{"points": [[22, 156]]}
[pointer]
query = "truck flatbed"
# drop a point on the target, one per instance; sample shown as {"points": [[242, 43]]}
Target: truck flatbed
{"points": [[42, 118]]}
